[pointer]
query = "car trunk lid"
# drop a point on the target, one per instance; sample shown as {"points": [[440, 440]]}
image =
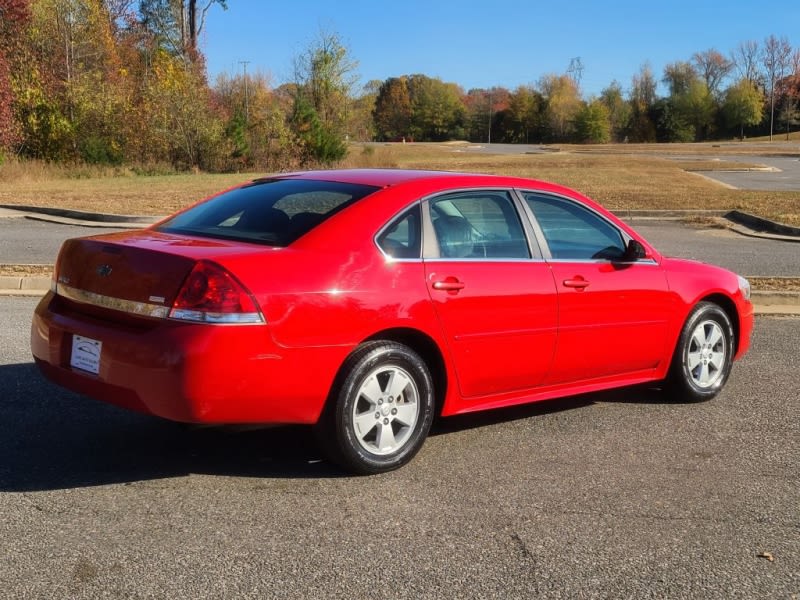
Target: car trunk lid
{"points": [[138, 272]]}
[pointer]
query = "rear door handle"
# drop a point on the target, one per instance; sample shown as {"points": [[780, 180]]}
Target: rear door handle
{"points": [[578, 282], [450, 284]]}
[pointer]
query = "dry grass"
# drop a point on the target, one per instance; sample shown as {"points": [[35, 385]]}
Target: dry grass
{"points": [[121, 194], [26, 270], [775, 284], [624, 176]]}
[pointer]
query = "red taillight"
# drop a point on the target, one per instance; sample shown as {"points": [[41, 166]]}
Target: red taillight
{"points": [[212, 295]]}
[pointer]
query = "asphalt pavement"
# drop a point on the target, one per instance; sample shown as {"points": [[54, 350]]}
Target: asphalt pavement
{"points": [[614, 495], [29, 241]]}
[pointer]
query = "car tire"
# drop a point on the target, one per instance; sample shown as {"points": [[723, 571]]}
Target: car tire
{"points": [[703, 356], [380, 410]]}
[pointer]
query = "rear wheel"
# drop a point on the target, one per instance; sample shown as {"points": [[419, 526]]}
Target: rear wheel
{"points": [[381, 410], [702, 360]]}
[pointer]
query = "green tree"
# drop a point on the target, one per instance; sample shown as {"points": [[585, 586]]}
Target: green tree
{"points": [[690, 109], [592, 123], [698, 108], [437, 112], [320, 144], [562, 101], [392, 113], [670, 122], [526, 107], [325, 74], [619, 110], [360, 121], [256, 117], [743, 105], [642, 99]]}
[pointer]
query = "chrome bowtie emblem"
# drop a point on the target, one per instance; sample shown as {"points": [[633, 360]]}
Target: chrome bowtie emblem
{"points": [[104, 270]]}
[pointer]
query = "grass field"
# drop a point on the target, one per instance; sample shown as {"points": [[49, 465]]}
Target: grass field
{"points": [[622, 177]]}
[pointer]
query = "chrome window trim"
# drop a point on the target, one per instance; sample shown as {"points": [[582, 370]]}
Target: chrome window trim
{"points": [[644, 261], [485, 260]]}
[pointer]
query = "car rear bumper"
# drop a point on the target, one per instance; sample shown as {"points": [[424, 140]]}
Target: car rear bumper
{"points": [[187, 372]]}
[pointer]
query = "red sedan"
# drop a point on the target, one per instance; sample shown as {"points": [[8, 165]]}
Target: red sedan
{"points": [[366, 302]]}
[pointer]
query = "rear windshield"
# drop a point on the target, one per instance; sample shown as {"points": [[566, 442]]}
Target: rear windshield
{"points": [[274, 212]]}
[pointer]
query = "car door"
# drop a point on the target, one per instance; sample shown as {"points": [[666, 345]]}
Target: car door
{"points": [[612, 311], [494, 295]]}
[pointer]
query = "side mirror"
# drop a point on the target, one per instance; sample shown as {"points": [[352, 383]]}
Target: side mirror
{"points": [[634, 251]]}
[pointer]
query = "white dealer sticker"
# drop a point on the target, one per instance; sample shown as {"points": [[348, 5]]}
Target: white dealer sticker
{"points": [[86, 354]]}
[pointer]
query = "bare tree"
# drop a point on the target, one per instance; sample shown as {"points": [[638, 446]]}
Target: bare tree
{"points": [[745, 59], [713, 67], [776, 59], [678, 77], [197, 20]]}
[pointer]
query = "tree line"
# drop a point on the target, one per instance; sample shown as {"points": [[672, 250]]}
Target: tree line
{"points": [[124, 82]]}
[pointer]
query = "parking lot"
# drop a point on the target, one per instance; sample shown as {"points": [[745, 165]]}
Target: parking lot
{"points": [[617, 495]]}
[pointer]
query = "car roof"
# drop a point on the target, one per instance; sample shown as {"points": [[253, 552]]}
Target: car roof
{"points": [[389, 177]]}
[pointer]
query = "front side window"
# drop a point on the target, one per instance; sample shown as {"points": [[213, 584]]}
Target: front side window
{"points": [[573, 232], [274, 212], [480, 224]]}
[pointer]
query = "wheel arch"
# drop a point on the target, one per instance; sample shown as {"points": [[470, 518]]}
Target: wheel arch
{"points": [[729, 306], [429, 351]]}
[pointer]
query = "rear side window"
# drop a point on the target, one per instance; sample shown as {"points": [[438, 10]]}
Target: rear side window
{"points": [[402, 238], [274, 212]]}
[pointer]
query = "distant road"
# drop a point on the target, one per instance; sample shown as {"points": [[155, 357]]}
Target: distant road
{"points": [[25, 241], [785, 178], [744, 255]]}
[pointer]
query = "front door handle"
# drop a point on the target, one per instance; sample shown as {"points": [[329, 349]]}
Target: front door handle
{"points": [[578, 282], [449, 284]]}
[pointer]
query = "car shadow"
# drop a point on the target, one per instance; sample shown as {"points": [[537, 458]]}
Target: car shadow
{"points": [[633, 395], [51, 438]]}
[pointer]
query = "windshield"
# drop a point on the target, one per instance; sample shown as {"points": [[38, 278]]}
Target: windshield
{"points": [[274, 212]]}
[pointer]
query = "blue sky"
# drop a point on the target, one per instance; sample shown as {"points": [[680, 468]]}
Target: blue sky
{"points": [[488, 43]]}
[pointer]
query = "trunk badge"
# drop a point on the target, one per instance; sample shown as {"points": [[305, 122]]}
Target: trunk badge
{"points": [[104, 270]]}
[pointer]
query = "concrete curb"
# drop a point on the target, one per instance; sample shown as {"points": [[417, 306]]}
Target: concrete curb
{"points": [[759, 224], [736, 221], [75, 217], [13, 285]]}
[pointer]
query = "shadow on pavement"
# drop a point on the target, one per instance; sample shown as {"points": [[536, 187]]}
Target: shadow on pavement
{"points": [[51, 438], [634, 395]]}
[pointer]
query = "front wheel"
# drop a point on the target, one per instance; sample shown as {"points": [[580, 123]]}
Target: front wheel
{"points": [[702, 360], [381, 410]]}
